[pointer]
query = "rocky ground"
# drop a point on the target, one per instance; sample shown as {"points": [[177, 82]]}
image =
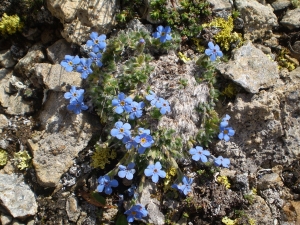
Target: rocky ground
{"points": [[265, 114]]}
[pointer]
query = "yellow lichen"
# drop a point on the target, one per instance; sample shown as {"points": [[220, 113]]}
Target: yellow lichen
{"points": [[252, 221], [199, 47], [224, 181], [10, 24], [228, 221], [3, 157], [254, 191], [183, 57], [230, 91], [225, 37], [22, 160], [285, 61], [171, 173], [101, 156]]}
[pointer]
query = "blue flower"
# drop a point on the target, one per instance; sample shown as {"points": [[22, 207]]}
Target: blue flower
{"points": [[97, 43], [220, 161], [77, 105], [199, 153], [136, 212], [126, 171], [145, 140], [226, 133], [163, 33], [74, 94], [122, 103], [155, 171], [129, 142], [136, 110], [152, 98], [121, 130], [143, 131], [163, 105], [96, 58], [224, 122], [69, 62], [142, 41], [106, 184], [186, 186], [84, 67], [213, 51]]}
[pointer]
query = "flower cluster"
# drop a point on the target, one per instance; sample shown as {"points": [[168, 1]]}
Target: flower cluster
{"points": [[199, 154], [185, 187], [155, 171], [213, 51], [225, 132], [123, 103], [126, 171], [76, 100], [83, 65], [163, 33], [136, 212], [162, 104], [106, 184]]}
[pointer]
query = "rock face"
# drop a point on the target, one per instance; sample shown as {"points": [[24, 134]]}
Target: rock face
{"points": [[183, 101], [16, 196], [219, 5], [81, 17], [250, 68], [258, 18], [292, 19], [65, 135]]}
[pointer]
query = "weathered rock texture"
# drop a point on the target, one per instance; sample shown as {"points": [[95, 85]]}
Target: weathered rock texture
{"points": [[257, 18], [291, 19], [16, 196], [250, 68], [65, 135], [80, 17]]}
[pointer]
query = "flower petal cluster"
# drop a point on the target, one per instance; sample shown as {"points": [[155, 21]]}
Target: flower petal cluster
{"points": [[158, 102], [126, 171], [136, 110], [129, 142], [155, 171], [213, 51], [163, 33], [70, 62], [136, 212], [76, 100], [122, 103], [97, 43], [186, 186], [106, 184], [220, 161], [144, 139], [199, 154], [121, 130], [84, 67], [225, 132], [96, 58]]}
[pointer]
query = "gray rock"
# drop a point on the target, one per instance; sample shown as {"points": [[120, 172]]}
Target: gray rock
{"points": [[258, 18], [152, 205], [280, 4], [220, 5], [3, 121], [271, 180], [56, 52], [34, 55], [291, 19], [54, 77], [79, 17], [72, 209], [250, 68], [65, 135], [242, 182], [164, 81], [5, 219], [13, 103], [16, 196], [6, 59]]}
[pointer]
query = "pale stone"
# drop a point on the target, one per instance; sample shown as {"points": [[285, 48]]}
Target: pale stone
{"points": [[291, 19]]}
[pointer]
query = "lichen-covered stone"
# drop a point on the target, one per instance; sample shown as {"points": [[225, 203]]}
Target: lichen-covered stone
{"points": [[291, 19], [250, 68]]}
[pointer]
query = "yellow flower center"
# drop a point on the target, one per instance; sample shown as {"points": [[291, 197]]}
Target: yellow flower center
{"points": [[143, 140], [121, 130], [133, 213], [122, 103], [70, 63], [96, 41], [225, 132], [133, 109], [163, 33]]}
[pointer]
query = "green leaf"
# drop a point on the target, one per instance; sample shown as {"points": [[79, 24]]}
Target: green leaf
{"points": [[121, 220], [98, 198]]}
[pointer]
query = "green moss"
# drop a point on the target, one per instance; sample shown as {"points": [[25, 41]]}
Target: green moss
{"points": [[230, 91], [225, 37], [3, 157], [22, 160], [10, 24]]}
